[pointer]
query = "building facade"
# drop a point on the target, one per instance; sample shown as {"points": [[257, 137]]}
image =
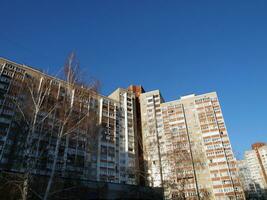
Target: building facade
{"points": [[128, 137], [128, 156], [187, 149], [101, 146]]}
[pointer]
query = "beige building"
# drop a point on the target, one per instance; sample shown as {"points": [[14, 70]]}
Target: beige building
{"points": [[187, 149]]}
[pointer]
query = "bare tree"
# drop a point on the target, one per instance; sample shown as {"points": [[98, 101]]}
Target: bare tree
{"points": [[49, 115], [178, 172], [73, 116], [180, 164], [34, 114], [28, 99]]}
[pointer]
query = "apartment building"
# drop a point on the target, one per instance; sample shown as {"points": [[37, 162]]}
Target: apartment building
{"points": [[138, 90], [129, 137], [256, 160], [152, 131], [127, 134], [187, 149], [102, 148]]}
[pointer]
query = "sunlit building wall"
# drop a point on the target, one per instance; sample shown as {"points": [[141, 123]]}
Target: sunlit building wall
{"points": [[186, 143]]}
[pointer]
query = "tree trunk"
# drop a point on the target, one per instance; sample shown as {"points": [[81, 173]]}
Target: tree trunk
{"points": [[29, 167], [25, 187], [65, 157], [48, 187]]}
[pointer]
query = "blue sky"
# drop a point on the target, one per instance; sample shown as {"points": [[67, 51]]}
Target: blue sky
{"points": [[179, 47]]}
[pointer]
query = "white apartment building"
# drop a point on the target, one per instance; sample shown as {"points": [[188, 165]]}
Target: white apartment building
{"points": [[256, 160], [251, 189], [128, 156], [263, 157]]}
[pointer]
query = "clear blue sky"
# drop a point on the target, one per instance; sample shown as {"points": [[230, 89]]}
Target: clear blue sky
{"points": [[179, 47]]}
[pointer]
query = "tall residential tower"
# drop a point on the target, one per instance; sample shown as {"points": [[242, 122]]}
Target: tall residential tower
{"points": [[187, 149]]}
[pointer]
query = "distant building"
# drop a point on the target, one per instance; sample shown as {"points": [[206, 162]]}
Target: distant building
{"points": [[256, 160], [251, 189]]}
